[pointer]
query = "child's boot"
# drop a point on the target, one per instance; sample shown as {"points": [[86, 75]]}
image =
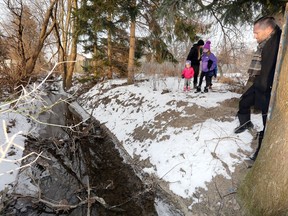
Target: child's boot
{"points": [[184, 88], [188, 88]]}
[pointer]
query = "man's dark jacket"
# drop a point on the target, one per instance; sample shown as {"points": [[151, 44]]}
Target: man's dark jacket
{"points": [[263, 82], [193, 55]]}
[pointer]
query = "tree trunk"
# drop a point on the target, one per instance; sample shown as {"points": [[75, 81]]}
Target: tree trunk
{"points": [[30, 64], [64, 23], [131, 51], [95, 59], [109, 51], [265, 188], [73, 54]]}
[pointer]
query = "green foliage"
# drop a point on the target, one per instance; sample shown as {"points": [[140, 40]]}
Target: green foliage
{"points": [[229, 12], [243, 11], [237, 12], [97, 18], [184, 28], [130, 8], [182, 23]]}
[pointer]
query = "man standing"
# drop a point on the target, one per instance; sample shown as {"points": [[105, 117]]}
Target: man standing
{"points": [[261, 74], [195, 56]]}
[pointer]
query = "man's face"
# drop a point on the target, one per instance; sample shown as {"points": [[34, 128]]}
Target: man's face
{"points": [[261, 34]]}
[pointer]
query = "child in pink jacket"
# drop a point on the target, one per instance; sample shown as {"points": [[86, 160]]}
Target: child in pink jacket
{"points": [[187, 73]]}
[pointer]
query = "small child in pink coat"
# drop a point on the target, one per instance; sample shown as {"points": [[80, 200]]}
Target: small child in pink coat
{"points": [[187, 73]]}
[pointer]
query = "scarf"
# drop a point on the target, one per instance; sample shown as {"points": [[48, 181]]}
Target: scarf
{"points": [[255, 65]]}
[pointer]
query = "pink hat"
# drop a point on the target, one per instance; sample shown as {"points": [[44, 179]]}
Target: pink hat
{"points": [[207, 45]]}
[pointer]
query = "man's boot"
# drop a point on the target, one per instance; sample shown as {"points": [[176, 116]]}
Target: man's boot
{"points": [[260, 138], [198, 89], [245, 123], [205, 89]]}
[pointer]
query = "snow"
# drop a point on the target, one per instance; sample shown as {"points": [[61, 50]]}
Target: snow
{"points": [[185, 157], [14, 116], [10, 165], [163, 208], [78, 109]]}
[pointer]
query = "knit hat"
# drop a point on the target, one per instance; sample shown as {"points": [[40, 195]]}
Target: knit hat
{"points": [[200, 43], [188, 62], [207, 45]]}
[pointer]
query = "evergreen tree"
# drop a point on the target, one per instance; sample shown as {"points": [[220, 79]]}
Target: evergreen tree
{"points": [[108, 30], [229, 12], [103, 27]]}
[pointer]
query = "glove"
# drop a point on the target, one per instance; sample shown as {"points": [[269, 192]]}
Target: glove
{"points": [[215, 71], [210, 62], [182, 76]]}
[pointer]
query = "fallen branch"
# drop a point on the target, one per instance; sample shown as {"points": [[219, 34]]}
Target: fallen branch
{"points": [[62, 206]]}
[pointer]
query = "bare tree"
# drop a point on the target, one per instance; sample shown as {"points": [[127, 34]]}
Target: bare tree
{"points": [[67, 38], [73, 52], [26, 39]]}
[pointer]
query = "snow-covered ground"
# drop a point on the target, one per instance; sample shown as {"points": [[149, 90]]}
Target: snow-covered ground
{"points": [[11, 145], [188, 156], [147, 119], [15, 123]]}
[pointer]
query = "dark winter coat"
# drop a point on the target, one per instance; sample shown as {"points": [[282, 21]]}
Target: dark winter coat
{"points": [[193, 55], [263, 83]]}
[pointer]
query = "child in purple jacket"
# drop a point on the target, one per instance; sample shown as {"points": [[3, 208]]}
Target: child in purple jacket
{"points": [[187, 73], [209, 67]]}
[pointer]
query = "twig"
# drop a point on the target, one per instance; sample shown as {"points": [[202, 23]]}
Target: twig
{"points": [[26, 165], [221, 197], [57, 125], [171, 170], [89, 197], [9, 141], [26, 93], [231, 193]]}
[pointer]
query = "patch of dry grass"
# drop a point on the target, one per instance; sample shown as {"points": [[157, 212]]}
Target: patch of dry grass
{"points": [[166, 69]]}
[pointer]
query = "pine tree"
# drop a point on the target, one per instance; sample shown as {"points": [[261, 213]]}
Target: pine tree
{"points": [[112, 32]]}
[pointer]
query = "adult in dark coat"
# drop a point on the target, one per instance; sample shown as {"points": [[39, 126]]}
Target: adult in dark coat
{"points": [[261, 75], [195, 57]]}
